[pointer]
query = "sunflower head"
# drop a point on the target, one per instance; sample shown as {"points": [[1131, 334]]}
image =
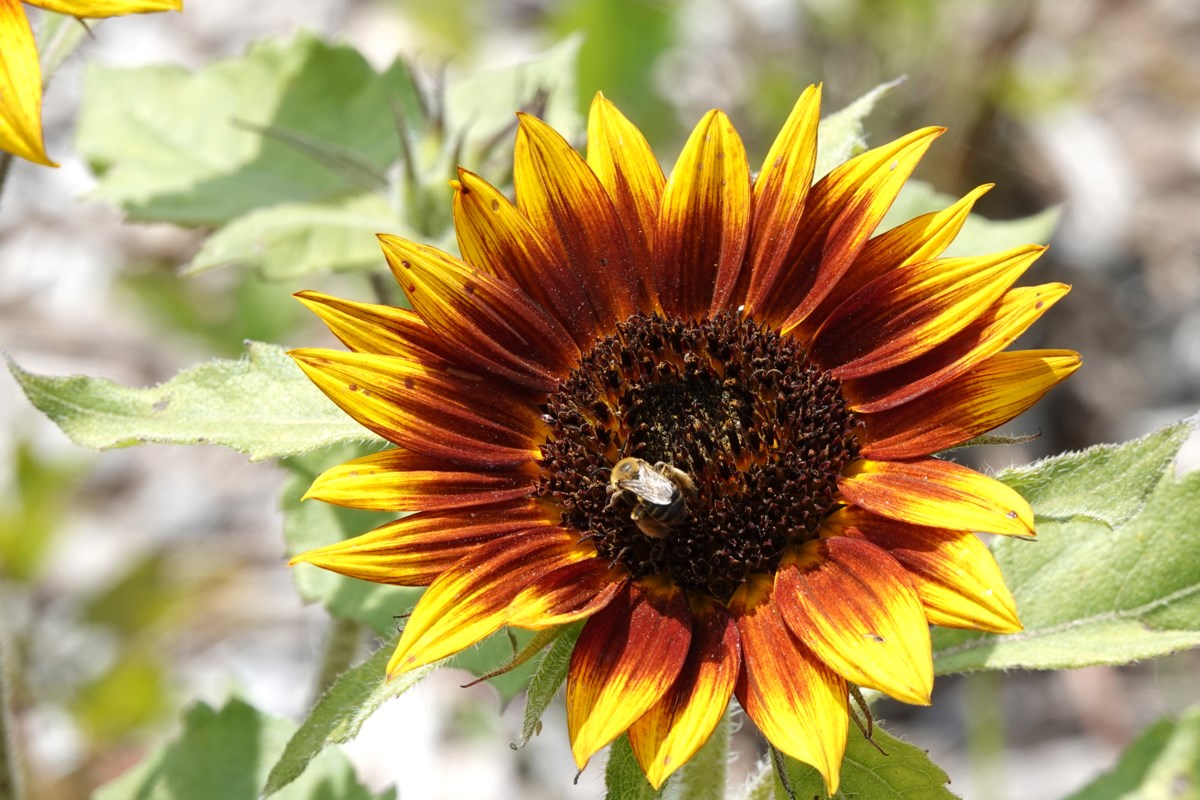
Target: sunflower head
{"points": [[699, 412]]}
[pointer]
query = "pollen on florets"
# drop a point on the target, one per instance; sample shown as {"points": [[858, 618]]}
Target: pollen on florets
{"points": [[762, 432]]}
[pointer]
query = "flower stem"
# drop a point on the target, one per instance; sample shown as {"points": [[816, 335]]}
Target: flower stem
{"points": [[10, 777], [341, 646], [5, 163], [703, 777], [985, 734]]}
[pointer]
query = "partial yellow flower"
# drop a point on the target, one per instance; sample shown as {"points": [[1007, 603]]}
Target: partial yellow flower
{"points": [[21, 75]]}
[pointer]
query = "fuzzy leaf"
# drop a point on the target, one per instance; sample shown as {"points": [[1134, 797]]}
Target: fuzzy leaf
{"points": [[1112, 577], [295, 239], [547, 679], [623, 776], [261, 405], [293, 121], [1163, 762], [339, 715], [841, 136], [226, 754], [905, 773]]}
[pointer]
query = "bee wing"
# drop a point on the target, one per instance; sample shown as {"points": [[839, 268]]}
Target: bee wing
{"points": [[650, 487]]}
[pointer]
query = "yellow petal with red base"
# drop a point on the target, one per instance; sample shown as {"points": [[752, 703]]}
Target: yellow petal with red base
{"points": [[627, 657], [470, 601], [496, 237], [988, 334], [841, 212], [954, 573], [780, 191], [996, 391], [704, 221], [567, 594], [404, 400], [623, 161], [679, 724], [499, 328], [797, 702], [106, 8], [400, 480], [920, 239], [939, 494], [415, 550], [566, 203], [372, 328], [20, 87], [907, 311], [856, 608]]}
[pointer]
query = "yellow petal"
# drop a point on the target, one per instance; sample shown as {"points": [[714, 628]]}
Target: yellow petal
{"points": [[679, 724], [107, 8], [940, 494], [20, 87], [857, 609], [798, 702]]}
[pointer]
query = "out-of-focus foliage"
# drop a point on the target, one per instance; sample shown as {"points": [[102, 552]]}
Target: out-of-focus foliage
{"points": [[227, 753], [30, 519], [1163, 762]]}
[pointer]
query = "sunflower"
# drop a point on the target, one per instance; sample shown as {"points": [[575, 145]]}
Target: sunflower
{"points": [[21, 75], [772, 378]]}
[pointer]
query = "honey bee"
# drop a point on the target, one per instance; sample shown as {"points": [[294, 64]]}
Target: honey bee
{"points": [[659, 493]]}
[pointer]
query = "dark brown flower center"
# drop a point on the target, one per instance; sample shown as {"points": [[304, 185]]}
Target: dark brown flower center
{"points": [[762, 433]]}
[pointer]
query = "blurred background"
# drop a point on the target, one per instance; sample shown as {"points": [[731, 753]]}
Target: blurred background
{"points": [[137, 581]]}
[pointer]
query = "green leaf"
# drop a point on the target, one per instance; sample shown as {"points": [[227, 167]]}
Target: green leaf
{"points": [[339, 715], [547, 679], [261, 405], [296, 239], [1163, 762], [840, 135], [904, 773], [311, 524], [979, 236], [623, 776], [1112, 577], [483, 105], [226, 754], [292, 121]]}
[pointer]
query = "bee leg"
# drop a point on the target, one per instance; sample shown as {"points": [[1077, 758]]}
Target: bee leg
{"points": [[614, 494]]}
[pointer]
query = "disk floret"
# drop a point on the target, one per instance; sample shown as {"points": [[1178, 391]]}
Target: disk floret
{"points": [[761, 431]]}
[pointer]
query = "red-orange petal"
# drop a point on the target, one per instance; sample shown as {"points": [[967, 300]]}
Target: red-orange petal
{"points": [[626, 658], [919, 239], [798, 702], [780, 191], [939, 494], [679, 724], [954, 573], [415, 550], [907, 311], [495, 236], [470, 600], [841, 212], [370, 328], [401, 480], [565, 201], [429, 410], [499, 328], [704, 221], [988, 334], [626, 166], [856, 608], [1000, 388], [567, 594]]}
